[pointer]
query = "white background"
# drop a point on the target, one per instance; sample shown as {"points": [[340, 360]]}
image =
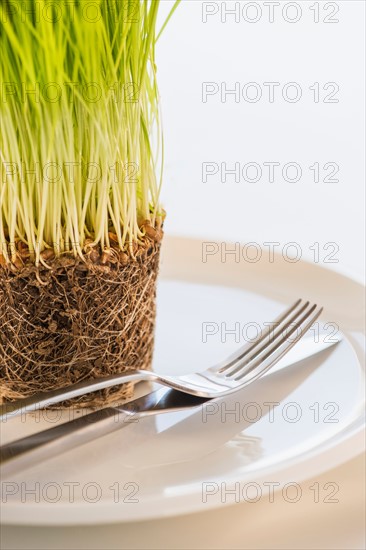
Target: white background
{"points": [[191, 52]]}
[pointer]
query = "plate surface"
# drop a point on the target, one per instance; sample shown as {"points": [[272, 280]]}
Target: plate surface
{"points": [[294, 423]]}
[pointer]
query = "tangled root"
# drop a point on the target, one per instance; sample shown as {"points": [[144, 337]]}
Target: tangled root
{"points": [[77, 320]]}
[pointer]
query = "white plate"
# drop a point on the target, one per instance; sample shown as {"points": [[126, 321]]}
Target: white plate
{"points": [[186, 462]]}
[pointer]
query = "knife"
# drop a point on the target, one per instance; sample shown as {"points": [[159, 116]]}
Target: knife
{"points": [[28, 451]]}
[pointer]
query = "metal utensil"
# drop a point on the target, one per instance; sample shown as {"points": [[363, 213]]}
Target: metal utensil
{"points": [[243, 367], [250, 363]]}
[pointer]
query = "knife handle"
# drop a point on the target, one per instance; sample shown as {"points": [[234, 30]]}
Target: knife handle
{"points": [[31, 450]]}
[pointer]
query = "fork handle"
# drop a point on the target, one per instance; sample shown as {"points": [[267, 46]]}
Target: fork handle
{"points": [[31, 450], [40, 400]]}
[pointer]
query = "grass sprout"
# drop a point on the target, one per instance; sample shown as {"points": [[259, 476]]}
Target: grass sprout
{"points": [[81, 139]]}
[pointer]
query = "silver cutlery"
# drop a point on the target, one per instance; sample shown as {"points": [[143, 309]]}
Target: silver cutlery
{"points": [[188, 391], [243, 367]]}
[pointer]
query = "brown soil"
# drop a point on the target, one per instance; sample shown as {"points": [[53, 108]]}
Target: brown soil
{"points": [[77, 320]]}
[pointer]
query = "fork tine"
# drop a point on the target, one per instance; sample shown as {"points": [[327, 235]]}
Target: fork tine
{"points": [[233, 359], [275, 351], [277, 333], [268, 336]]}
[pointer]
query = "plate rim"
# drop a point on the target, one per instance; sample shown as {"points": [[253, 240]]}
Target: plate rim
{"points": [[326, 455]]}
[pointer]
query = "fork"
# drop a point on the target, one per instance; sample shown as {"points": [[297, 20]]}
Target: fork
{"points": [[248, 364], [240, 369]]}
